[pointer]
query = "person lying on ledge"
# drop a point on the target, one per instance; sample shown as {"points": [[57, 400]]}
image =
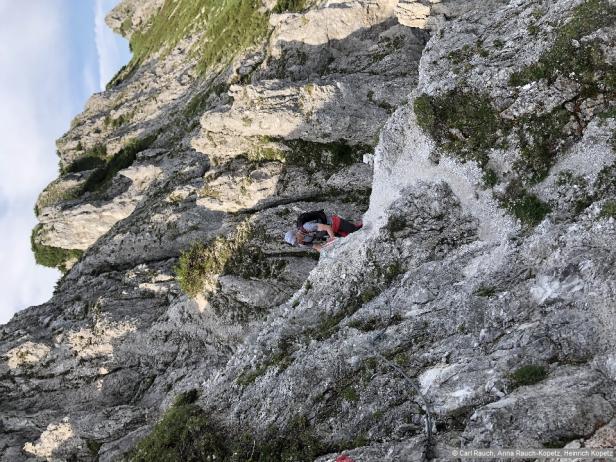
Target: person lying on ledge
{"points": [[317, 230]]}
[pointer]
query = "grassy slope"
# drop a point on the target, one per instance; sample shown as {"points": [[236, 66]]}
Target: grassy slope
{"points": [[224, 28]]}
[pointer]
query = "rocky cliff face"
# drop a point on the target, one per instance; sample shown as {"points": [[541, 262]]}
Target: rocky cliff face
{"points": [[475, 308]]}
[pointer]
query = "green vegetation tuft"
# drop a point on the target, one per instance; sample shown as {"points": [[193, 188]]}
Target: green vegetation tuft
{"points": [[312, 156], [485, 291], [248, 377], [56, 193], [265, 153], [557, 444], [401, 359], [368, 294], [117, 122], [528, 375], [395, 224], [223, 29], [293, 6], [540, 138], [461, 55], [52, 257], [187, 397], [201, 263], [605, 184], [93, 447], [102, 176], [199, 103], [327, 157], [84, 163], [186, 433], [581, 60], [490, 177], [91, 159], [608, 210], [281, 359], [465, 124], [366, 325], [528, 208], [350, 394]]}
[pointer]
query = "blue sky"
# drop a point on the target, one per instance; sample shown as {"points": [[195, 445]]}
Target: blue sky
{"points": [[53, 55]]}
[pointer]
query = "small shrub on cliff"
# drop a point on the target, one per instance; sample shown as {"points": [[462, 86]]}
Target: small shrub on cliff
{"points": [[91, 159], [183, 434], [202, 262], [103, 175], [186, 433], [528, 375], [52, 257]]}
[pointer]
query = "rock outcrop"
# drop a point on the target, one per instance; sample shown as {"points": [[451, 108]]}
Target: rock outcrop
{"points": [[475, 308]]}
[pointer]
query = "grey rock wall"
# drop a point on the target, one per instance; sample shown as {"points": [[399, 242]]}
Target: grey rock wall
{"points": [[475, 308]]}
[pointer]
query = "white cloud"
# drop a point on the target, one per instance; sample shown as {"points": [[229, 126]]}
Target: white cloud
{"points": [[34, 90], [23, 282], [112, 50], [43, 81]]}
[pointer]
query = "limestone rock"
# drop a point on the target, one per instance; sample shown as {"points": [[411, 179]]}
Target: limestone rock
{"points": [[131, 15], [475, 308]]}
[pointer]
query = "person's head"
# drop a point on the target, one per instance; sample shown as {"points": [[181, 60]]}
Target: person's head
{"points": [[290, 237]]}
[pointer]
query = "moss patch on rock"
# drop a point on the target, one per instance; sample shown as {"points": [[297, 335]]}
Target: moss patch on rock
{"points": [[465, 124], [608, 210], [581, 60], [528, 208], [540, 138]]}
